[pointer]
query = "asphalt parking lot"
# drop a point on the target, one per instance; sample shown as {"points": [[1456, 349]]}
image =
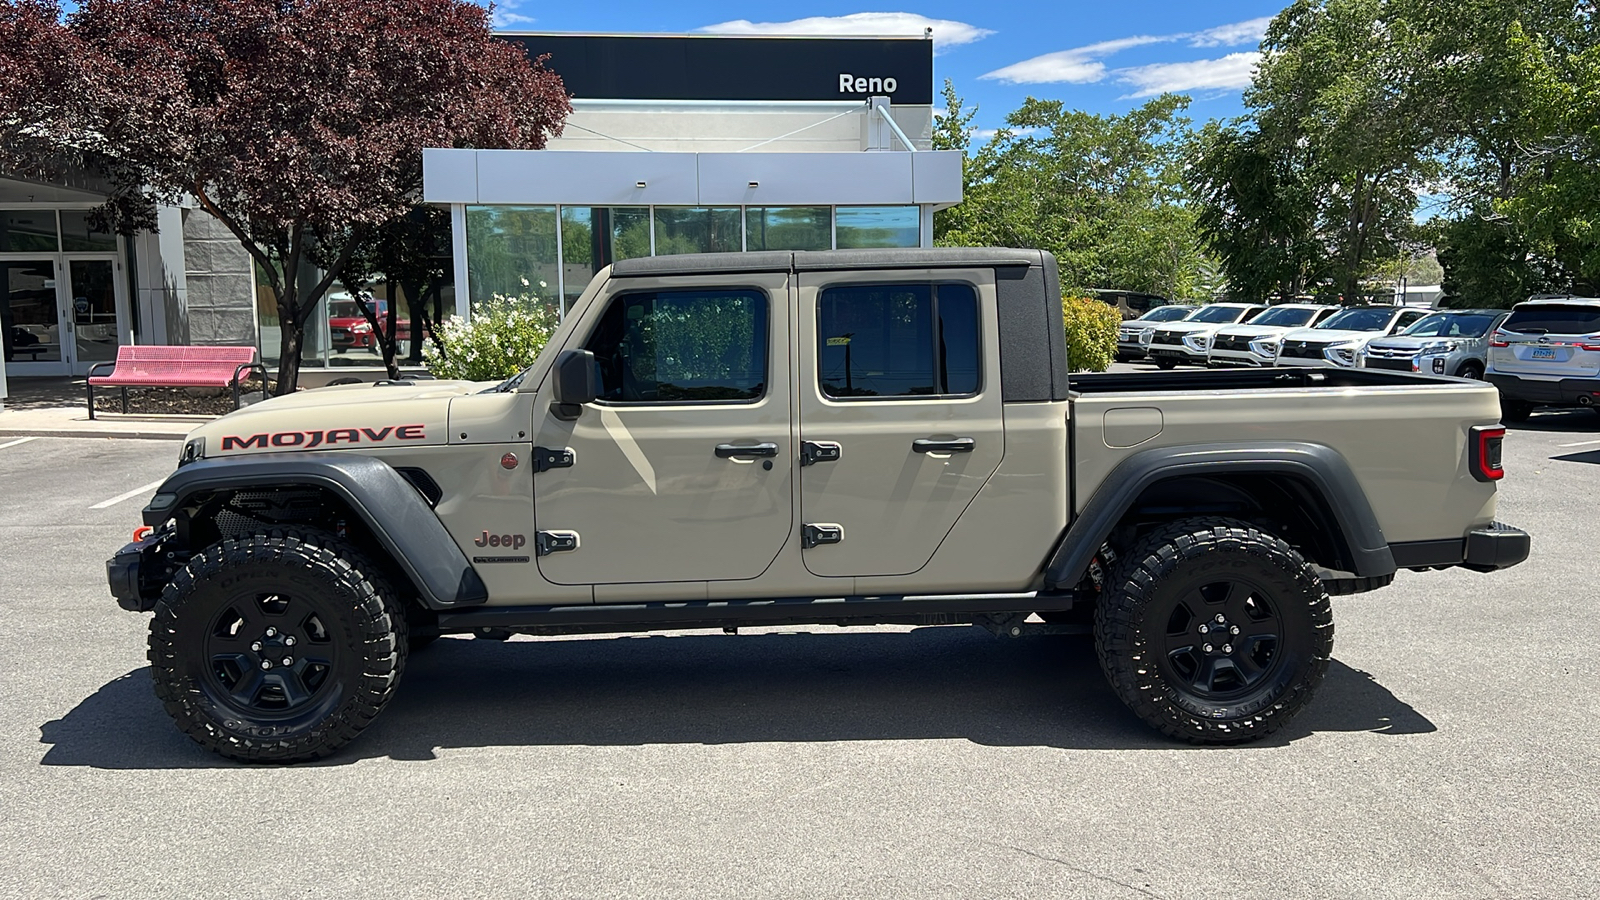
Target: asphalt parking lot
{"points": [[1450, 753]]}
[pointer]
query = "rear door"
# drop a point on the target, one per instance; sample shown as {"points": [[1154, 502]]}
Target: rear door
{"points": [[1549, 341], [680, 470], [900, 413]]}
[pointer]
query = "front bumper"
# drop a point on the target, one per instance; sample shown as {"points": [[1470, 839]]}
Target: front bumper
{"points": [[1235, 358], [1177, 353], [1488, 549], [1562, 392]]}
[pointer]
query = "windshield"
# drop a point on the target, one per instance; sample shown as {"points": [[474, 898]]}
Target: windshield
{"points": [[1284, 317], [1166, 314], [349, 309], [1554, 320], [1218, 315], [1451, 325], [1366, 318]]}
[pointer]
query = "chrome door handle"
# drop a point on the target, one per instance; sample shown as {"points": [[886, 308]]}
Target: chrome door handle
{"points": [[929, 445], [730, 451]]}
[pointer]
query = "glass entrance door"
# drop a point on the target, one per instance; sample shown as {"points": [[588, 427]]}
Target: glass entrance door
{"points": [[30, 318], [91, 313]]}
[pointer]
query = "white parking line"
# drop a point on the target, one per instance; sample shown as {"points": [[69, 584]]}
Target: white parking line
{"points": [[18, 441], [136, 492], [1578, 444]]}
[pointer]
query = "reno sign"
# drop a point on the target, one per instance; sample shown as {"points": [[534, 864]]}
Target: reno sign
{"points": [[852, 84]]}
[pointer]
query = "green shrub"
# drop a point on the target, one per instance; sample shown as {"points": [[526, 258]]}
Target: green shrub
{"points": [[500, 339], [1091, 333]]}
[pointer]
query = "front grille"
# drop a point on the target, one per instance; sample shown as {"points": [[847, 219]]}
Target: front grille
{"points": [[1231, 342], [1174, 338], [1302, 350], [1395, 365]]}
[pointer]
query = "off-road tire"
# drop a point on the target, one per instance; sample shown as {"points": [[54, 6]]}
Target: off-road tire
{"points": [[1514, 410], [1179, 565], [349, 649]]}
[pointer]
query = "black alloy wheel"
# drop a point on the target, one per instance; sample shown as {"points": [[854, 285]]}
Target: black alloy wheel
{"points": [[1214, 631], [278, 646]]}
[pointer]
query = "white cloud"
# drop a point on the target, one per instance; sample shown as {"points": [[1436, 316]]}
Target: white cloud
{"points": [[1247, 33], [1082, 65], [1232, 72], [506, 16], [946, 32]]}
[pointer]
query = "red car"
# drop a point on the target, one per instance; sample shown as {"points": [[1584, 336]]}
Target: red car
{"points": [[348, 328]]}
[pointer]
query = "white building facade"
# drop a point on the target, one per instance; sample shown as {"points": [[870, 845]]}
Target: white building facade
{"points": [[813, 144]]}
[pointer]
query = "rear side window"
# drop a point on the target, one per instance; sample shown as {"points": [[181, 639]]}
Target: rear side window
{"points": [[682, 346], [898, 340], [1554, 320]]}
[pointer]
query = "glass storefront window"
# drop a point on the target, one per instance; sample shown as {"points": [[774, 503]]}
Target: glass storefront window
{"points": [[788, 228], [28, 231], [595, 237], [76, 235], [696, 230], [860, 227], [511, 251]]}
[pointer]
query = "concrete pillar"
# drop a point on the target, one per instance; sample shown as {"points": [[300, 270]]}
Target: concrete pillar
{"points": [[221, 283]]}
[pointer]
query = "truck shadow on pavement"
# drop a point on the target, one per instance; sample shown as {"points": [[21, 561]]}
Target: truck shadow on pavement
{"points": [[930, 683]]}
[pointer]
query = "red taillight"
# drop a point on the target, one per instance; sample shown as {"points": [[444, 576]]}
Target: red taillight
{"points": [[1484, 452], [1498, 340], [1592, 342]]}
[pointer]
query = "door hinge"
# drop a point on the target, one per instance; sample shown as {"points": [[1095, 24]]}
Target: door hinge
{"points": [[812, 535], [548, 542], [545, 459], [819, 451]]}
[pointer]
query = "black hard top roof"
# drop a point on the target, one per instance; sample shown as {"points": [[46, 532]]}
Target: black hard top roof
{"points": [[831, 260]]}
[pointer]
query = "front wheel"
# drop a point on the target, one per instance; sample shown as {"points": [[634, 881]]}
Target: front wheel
{"points": [[279, 646], [1166, 362], [1470, 370], [1214, 631]]}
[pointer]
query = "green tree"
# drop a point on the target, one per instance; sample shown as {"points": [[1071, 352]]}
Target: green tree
{"points": [[1105, 194]]}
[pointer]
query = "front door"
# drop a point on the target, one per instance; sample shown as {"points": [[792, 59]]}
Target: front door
{"points": [[59, 316], [90, 313], [900, 413], [682, 469]]}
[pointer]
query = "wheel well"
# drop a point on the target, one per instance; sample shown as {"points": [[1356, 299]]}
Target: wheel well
{"points": [[1284, 505], [209, 517]]}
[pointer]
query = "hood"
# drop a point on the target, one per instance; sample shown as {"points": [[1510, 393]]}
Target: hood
{"points": [[1257, 331], [1191, 327], [1326, 336], [335, 418]]}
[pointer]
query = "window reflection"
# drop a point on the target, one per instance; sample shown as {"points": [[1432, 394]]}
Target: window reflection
{"points": [[860, 227], [788, 228]]}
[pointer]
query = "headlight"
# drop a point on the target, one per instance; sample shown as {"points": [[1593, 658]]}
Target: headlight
{"points": [[1197, 342], [193, 449], [361, 327], [1341, 354], [1439, 347], [1266, 348]]}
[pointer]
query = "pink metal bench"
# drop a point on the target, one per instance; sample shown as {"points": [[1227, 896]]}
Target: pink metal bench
{"points": [[160, 366]]}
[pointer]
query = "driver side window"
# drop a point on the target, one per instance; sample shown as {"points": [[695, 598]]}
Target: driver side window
{"points": [[683, 346]]}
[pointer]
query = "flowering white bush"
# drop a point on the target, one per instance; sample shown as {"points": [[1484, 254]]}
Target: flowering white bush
{"points": [[500, 339]]}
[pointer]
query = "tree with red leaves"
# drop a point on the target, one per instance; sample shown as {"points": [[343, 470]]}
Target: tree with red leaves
{"points": [[299, 124]]}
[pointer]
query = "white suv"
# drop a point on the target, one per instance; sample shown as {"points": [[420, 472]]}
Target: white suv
{"points": [[1338, 339], [1547, 353], [1188, 341], [1236, 344]]}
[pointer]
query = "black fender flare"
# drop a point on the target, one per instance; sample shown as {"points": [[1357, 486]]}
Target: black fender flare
{"points": [[1324, 469], [397, 515]]}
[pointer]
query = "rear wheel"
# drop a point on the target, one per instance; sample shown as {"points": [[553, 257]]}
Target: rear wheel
{"points": [[279, 646], [1214, 631]]}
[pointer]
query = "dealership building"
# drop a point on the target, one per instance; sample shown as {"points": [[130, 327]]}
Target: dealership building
{"points": [[676, 144]]}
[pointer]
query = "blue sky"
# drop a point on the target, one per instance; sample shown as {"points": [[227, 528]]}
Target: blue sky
{"points": [[1102, 57]]}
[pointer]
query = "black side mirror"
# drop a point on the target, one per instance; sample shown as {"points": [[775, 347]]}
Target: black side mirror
{"points": [[574, 383]]}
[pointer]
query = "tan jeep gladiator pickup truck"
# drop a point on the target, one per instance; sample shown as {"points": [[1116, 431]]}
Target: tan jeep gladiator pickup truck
{"points": [[844, 437]]}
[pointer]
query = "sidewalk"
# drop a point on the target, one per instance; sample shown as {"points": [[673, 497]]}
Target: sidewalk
{"points": [[54, 407]]}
